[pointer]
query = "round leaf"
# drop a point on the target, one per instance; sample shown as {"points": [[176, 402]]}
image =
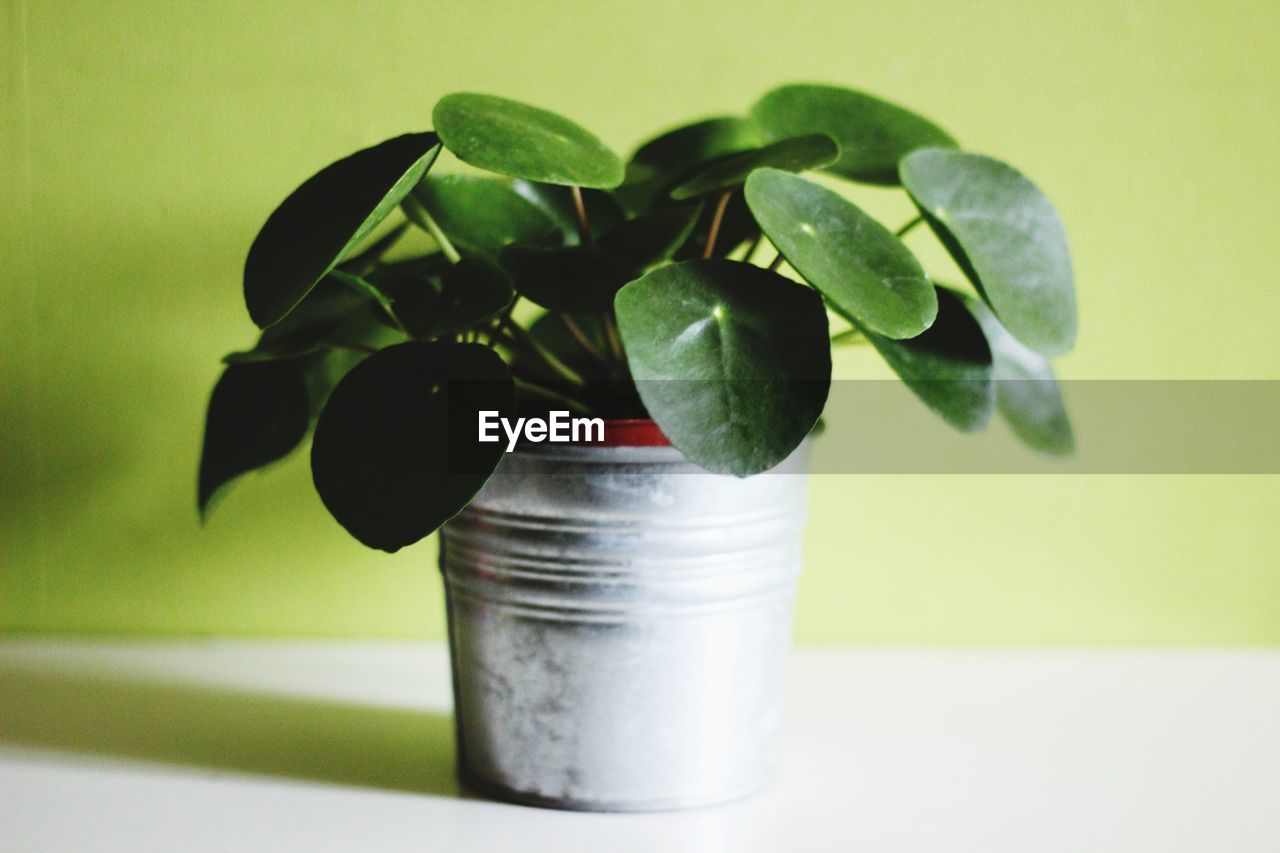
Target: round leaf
{"points": [[516, 139], [482, 215], [323, 371], [257, 414], [681, 151], [577, 279], [790, 155], [396, 451], [651, 237], [362, 287], [731, 360], [1006, 236], [665, 161], [865, 272], [369, 257], [325, 218], [872, 134], [948, 366], [417, 269], [307, 328], [1027, 395], [469, 293]]}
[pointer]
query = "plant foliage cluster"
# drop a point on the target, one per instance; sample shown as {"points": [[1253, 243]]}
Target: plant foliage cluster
{"points": [[661, 293]]}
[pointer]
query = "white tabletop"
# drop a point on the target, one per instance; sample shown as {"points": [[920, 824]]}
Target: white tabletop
{"points": [[243, 746]]}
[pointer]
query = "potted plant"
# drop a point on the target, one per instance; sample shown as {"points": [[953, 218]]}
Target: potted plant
{"points": [[599, 381]]}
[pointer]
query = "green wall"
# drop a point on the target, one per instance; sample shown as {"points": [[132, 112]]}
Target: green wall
{"points": [[144, 142]]}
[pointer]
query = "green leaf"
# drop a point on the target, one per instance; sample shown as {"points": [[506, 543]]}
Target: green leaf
{"points": [[577, 279], [665, 161], [325, 218], [368, 258], [603, 211], [734, 387], [341, 311], [865, 272], [396, 451], [482, 215], [470, 292], [651, 237], [257, 414], [1006, 236], [362, 287], [323, 371], [310, 327], [418, 269], [790, 155], [516, 139], [948, 367], [873, 135], [684, 149], [1027, 395]]}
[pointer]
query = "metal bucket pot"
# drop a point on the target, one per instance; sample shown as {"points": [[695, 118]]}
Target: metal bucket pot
{"points": [[618, 622]]}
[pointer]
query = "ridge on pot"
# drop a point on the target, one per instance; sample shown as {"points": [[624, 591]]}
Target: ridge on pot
{"points": [[618, 623]]}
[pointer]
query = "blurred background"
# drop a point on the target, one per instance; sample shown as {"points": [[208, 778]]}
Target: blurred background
{"points": [[143, 143]]}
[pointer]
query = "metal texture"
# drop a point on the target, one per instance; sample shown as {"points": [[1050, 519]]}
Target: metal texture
{"points": [[619, 621]]}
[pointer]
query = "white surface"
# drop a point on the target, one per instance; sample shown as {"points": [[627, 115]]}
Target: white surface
{"points": [[347, 746]]}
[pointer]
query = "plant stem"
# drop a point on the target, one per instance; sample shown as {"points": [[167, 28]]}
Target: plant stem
{"points": [[615, 339], [777, 262], [849, 336], [401, 326], [495, 331], [716, 219], [583, 341], [584, 227], [422, 218], [491, 332], [521, 338], [751, 249], [551, 394], [901, 232]]}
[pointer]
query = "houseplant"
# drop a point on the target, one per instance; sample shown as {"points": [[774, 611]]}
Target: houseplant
{"points": [[568, 280]]}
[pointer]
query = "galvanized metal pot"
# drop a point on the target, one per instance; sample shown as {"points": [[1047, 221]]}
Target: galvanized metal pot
{"points": [[618, 623]]}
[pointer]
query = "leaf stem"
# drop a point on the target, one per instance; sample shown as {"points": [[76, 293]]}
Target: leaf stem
{"points": [[615, 339], [902, 232], [751, 249], [551, 394], [777, 262], [580, 206], [849, 336], [415, 210], [491, 332], [583, 341], [716, 219], [364, 288], [522, 339]]}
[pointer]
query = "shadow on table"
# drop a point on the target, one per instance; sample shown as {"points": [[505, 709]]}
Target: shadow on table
{"points": [[229, 730]]}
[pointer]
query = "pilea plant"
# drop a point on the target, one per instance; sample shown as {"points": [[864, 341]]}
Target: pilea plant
{"points": [[570, 280]]}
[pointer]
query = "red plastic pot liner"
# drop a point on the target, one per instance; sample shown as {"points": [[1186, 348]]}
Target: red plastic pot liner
{"points": [[633, 432]]}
